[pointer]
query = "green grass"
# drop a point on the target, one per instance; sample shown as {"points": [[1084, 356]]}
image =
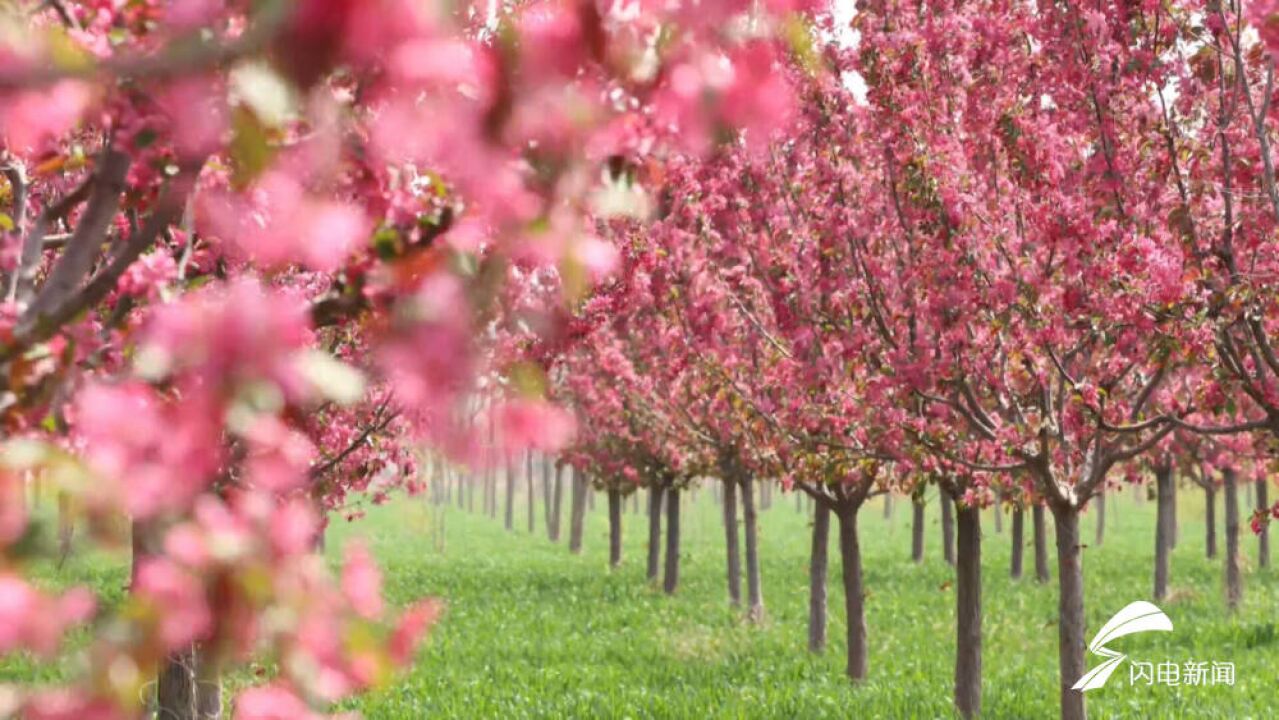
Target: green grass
{"points": [[532, 631]]}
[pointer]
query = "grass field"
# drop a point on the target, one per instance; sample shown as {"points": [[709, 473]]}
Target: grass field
{"points": [[532, 631]]}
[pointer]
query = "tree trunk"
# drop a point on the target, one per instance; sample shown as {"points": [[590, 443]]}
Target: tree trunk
{"points": [[1041, 544], [854, 594], [557, 504], [670, 579], [528, 488], [1263, 537], [1019, 542], [1175, 533], [888, 506], [590, 497], [208, 686], [948, 529], [917, 530], [1101, 518], [999, 515], [176, 689], [509, 515], [1070, 610], [635, 502], [66, 526], [547, 498], [1210, 522], [731, 549], [577, 513], [968, 609], [817, 579], [614, 528], [1234, 584], [754, 588], [655, 493], [1163, 528]]}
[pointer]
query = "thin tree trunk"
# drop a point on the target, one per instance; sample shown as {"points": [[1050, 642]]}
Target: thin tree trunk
{"points": [[208, 681], [968, 609], [817, 579], [635, 502], [1234, 583], [655, 493], [732, 551], [999, 515], [670, 579], [1263, 537], [176, 688], [888, 506], [1041, 544], [1175, 536], [1019, 542], [765, 496], [1210, 521], [1100, 501], [917, 530], [577, 513], [528, 488], [614, 528], [557, 504], [509, 515], [547, 498], [66, 526], [1163, 528], [590, 497], [854, 594], [1070, 610], [754, 586], [948, 529]]}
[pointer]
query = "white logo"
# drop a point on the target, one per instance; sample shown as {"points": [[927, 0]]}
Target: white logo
{"points": [[1140, 616]]}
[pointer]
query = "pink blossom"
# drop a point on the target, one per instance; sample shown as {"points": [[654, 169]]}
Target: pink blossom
{"points": [[362, 581], [272, 702]]}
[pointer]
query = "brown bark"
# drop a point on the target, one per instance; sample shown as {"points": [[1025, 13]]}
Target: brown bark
{"points": [[1210, 521], [529, 496], [614, 528], [754, 586], [577, 513], [1263, 537], [1070, 610], [1041, 544], [1234, 582], [917, 530], [509, 514], [948, 529], [1100, 505], [854, 593], [1163, 528], [817, 579], [557, 504], [968, 610], [655, 493], [670, 578], [1018, 542], [732, 550]]}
